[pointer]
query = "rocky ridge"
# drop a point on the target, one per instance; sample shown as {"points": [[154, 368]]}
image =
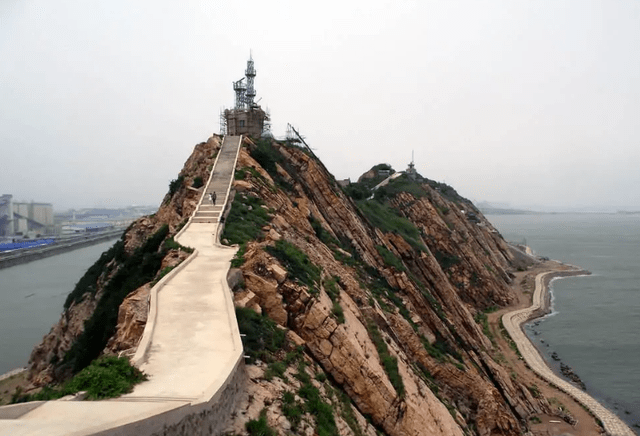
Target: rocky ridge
{"points": [[380, 297], [47, 360], [421, 294]]}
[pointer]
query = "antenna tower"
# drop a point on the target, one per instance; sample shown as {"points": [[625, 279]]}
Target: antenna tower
{"points": [[251, 74], [240, 90]]}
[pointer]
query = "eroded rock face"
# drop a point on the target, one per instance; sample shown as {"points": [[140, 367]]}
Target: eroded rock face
{"points": [[132, 315], [450, 381], [408, 303]]}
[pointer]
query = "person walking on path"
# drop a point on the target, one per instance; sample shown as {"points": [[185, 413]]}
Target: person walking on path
{"points": [[212, 197]]}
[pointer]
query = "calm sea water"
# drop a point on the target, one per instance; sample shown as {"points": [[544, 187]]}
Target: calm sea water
{"points": [[595, 324], [31, 300]]}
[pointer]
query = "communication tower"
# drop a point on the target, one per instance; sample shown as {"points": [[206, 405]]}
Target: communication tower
{"points": [[250, 90], [247, 117]]}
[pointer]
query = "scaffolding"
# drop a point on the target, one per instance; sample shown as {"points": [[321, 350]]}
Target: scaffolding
{"points": [[240, 90], [223, 122], [247, 117]]}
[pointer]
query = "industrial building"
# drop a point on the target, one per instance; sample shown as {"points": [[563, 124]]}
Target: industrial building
{"points": [[25, 219]]}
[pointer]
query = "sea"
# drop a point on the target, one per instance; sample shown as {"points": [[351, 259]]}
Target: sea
{"points": [[594, 326], [32, 296]]}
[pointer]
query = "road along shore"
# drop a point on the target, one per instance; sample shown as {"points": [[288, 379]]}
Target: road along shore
{"points": [[28, 255], [513, 322]]}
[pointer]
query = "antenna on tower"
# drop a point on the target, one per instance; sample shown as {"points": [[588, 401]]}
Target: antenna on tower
{"points": [[411, 171], [251, 74]]}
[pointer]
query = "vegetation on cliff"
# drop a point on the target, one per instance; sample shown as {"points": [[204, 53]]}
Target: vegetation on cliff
{"points": [[399, 274], [363, 309], [90, 324], [132, 272], [105, 377]]}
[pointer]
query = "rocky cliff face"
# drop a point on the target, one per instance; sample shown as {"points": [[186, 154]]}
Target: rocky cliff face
{"points": [[410, 267], [379, 297], [49, 361]]}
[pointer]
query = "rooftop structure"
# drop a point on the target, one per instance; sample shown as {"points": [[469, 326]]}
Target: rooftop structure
{"points": [[247, 117]]}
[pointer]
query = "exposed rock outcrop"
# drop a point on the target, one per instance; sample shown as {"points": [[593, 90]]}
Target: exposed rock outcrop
{"points": [[45, 363], [379, 292], [421, 294]]}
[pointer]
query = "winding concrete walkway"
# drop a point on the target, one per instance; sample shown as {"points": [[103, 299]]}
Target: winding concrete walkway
{"points": [[513, 321], [190, 347]]}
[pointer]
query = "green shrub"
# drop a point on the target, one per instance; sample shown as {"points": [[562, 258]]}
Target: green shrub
{"points": [[291, 409], [238, 258], [296, 262], [105, 377], [357, 191], [401, 184], [246, 220], [446, 260], [175, 184], [139, 268], [389, 362], [275, 369], [260, 427], [197, 182], [267, 156], [262, 335], [321, 411], [387, 219], [171, 244], [88, 282], [482, 319], [166, 270], [240, 174], [337, 311], [389, 258]]}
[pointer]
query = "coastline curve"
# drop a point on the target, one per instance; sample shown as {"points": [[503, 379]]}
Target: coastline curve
{"points": [[513, 322]]}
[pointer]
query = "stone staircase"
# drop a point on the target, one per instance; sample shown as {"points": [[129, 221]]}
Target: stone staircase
{"points": [[219, 182]]}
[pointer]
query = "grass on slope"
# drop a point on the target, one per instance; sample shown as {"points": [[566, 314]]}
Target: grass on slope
{"points": [[245, 220]]}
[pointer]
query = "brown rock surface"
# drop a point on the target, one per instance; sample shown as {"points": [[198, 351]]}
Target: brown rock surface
{"points": [[443, 357]]}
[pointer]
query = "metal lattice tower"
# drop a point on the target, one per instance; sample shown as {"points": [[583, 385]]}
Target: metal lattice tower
{"points": [[240, 90], [250, 91]]}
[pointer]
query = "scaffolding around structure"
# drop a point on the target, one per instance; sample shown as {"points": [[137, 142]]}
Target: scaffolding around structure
{"points": [[247, 117], [240, 90], [223, 122], [266, 127]]}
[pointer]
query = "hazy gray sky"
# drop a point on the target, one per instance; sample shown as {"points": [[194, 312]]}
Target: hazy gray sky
{"points": [[525, 102]]}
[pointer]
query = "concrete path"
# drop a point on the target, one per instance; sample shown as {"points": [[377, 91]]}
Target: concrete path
{"points": [[190, 345], [513, 321]]}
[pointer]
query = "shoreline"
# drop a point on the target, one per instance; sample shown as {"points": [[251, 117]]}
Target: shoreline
{"points": [[13, 372], [540, 306], [37, 253]]}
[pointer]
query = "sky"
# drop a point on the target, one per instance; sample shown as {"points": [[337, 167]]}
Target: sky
{"points": [[533, 104]]}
